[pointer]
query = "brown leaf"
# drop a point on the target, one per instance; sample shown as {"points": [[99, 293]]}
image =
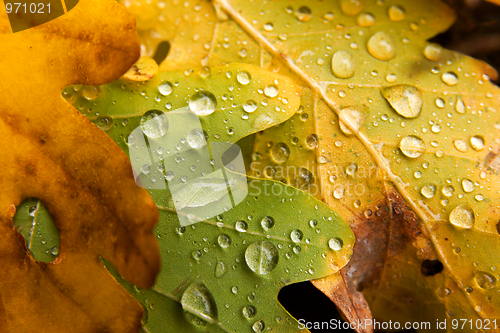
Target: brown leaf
{"points": [[51, 152]]}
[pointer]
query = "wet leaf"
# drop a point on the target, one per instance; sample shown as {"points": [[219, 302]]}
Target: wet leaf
{"points": [[52, 153]]}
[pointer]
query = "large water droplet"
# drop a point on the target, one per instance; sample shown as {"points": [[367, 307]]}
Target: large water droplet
{"points": [[354, 116], [477, 142], [396, 13], [258, 326], [462, 216], [428, 191], [241, 226], [224, 241], [271, 90], [296, 235], [460, 106], [433, 51], [460, 145], [249, 311], [405, 100], [165, 88], [154, 124], [343, 65], [196, 138], [280, 152], [220, 269], [243, 77], [303, 14], [262, 257], [203, 103], [335, 244], [447, 190], [449, 78], [250, 106], [412, 146], [267, 223], [381, 46], [352, 7], [467, 185], [312, 141], [199, 301], [104, 122], [485, 280]]}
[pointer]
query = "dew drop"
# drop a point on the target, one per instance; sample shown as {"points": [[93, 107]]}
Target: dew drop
{"points": [[343, 65], [405, 100], [296, 235], [338, 192], [428, 191], [447, 191], [460, 106], [203, 103], [312, 141], [460, 145], [381, 46], [196, 138], [396, 13], [485, 280], [166, 88], [440, 103], [477, 142], [271, 90], [433, 51], [335, 244], [243, 77], [249, 311], [224, 241], [449, 78], [262, 257], [352, 7], [104, 122], [199, 301], [250, 106], [241, 226], [280, 152], [366, 20], [462, 216], [154, 124], [467, 185], [258, 326], [220, 269], [354, 116], [267, 223], [436, 128], [303, 14], [412, 146], [268, 27]]}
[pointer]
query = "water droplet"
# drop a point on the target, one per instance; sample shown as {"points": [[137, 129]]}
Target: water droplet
{"points": [[280, 152], [263, 121], [312, 141], [353, 115], [462, 216], [154, 124], [250, 106], [199, 301], [262, 257], [440, 103], [477, 142], [91, 92], [249, 311], [381, 46], [267, 223], [296, 235], [396, 13], [243, 77], [485, 280], [234, 290], [104, 123], [338, 192], [366, 20], [166, 88], [271, 90], [433, 52], [335, 244], [303, 14], [343, 65], [55, 250], [467, 185], [203, 103], [241, 226], [258, 326], [268, 27], [460, 106], [460, 145], [412, 146], [447, 190], [352, 7], [146, 169], [220, 269], [196, 138], [428, 191], [224, 241], [436, 128], [449, 78], [405, 100]]}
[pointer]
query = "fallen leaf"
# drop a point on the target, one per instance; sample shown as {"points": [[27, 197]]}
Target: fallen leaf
{"points": [[52, 153]]}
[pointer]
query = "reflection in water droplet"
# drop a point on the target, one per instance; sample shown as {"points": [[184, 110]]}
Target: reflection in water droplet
{"points": [[303, 14], [280, 152], [412, 146], [366, 20], [249, 311], [352, 7], [405, 100], [449, 78], [396, 13], [224, 241], [460, 145], [203, 103], [433, 52], [335, 244], [243, 77], [381, 46], [485, 280], [250, 106], [343, 65], [154, 124], [165, 88], [467, 185], [196, 138], [262, 257], [267, 223], [296, 235], [428, 191], [477, 142], [199, 301], [271, 90], [241, 226], [462, 216]]}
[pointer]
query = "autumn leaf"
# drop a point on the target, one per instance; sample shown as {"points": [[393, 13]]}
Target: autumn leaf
{"points": [[52, 153]]}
